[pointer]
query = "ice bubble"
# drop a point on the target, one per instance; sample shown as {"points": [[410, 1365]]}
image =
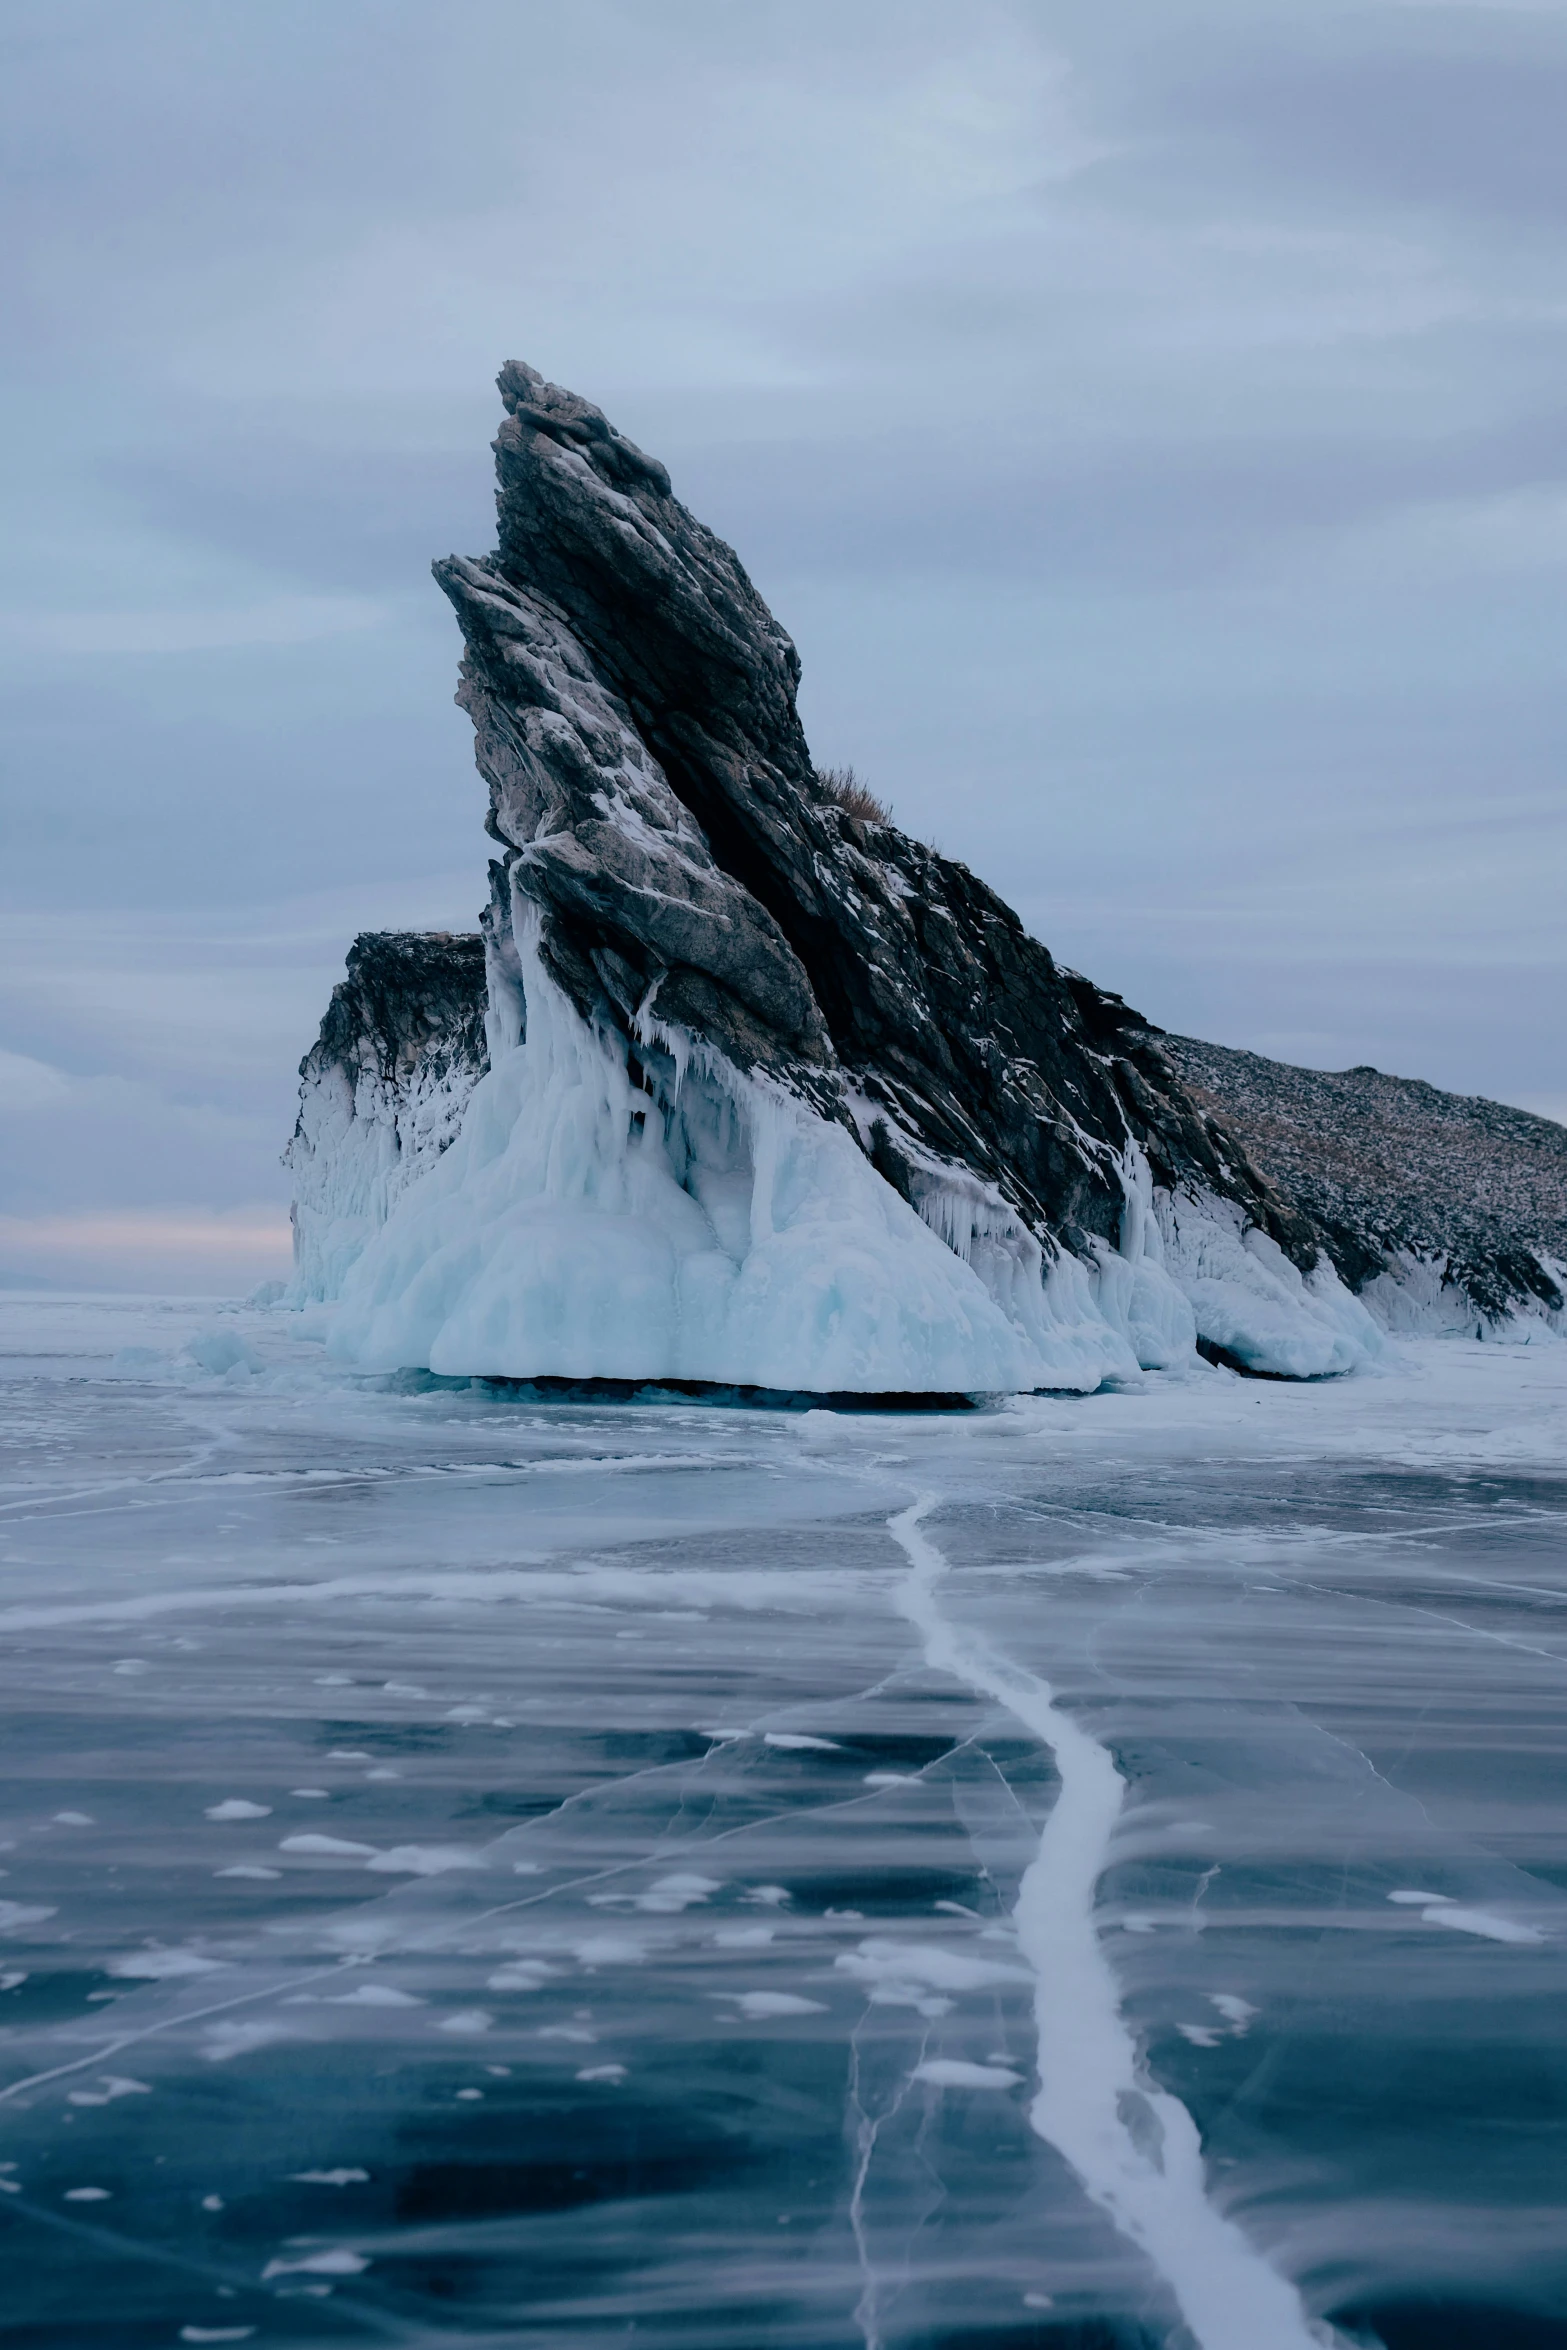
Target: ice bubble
{"points": [[952, 2072], [161, 1966], [335, 1847], [610, 1950], [375, 1995], [470, 2020], [86, 2195], [234, 1807], [426, 1860], [1480, 1921], [111, 2085], [797, 1742], [337, 2262], [878, 1961], [678, 1891], [330, 2178], [227, 2040], [758, 2005], [16, 1914]]}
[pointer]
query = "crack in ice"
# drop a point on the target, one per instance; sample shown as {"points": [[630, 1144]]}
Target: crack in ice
{"points": [[1133, 2145]]}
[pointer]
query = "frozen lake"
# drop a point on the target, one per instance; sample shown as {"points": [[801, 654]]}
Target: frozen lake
{"points": [[482, 1870]]}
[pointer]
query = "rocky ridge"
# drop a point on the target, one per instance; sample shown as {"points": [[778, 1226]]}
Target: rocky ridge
{"points": [[1440, 1209]]}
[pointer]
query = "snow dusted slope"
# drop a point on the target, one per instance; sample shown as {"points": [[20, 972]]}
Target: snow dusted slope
{"points": [[1444, 1211], [777, 1096], [381, 1091]]}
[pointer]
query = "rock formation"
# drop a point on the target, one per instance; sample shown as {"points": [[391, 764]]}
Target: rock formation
{"points": [[1443, 1211], [778, 1095]]}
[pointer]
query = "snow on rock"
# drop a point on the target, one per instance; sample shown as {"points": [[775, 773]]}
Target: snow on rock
{"points": [[769, 1094], [382, 1091]]}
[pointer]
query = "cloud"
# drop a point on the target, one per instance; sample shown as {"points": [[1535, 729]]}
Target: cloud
{"points": [[26, 1084], [285, 620]]}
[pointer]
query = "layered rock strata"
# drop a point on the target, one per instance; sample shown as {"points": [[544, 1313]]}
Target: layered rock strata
{"points": [[778, 1095], [1443, 1211]]}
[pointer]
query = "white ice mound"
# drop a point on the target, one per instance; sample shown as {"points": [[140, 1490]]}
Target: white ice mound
{"points": [[360, 1143], [583, 1226], [1252, 1304]]}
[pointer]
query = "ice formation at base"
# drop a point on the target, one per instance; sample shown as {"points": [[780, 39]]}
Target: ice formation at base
{"points": [[660, 1215], [382, 1092]]}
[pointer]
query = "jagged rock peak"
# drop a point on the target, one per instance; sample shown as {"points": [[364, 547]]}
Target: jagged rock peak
{"points": [[778, 1096], [634, 704]]}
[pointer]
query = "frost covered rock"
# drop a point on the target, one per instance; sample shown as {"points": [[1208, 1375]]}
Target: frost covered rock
{"points": [[1445, 1212], [777, 1096], [382, 1091]]}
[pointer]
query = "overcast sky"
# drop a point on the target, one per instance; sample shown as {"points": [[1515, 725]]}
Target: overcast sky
{"points": [[1150, 421]]}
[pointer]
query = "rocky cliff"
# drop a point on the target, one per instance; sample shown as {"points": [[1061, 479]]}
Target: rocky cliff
{"points": [[779, 1094], [1443, 1211]]}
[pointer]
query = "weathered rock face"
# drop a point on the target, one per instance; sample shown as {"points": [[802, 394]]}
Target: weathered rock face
{"points": [[634, 708], [1442, 1210], [777, 1095], [382, 1090]]}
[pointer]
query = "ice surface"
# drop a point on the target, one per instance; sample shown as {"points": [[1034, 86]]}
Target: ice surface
{"points": [[600, 1217], [1084, 1871]]}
